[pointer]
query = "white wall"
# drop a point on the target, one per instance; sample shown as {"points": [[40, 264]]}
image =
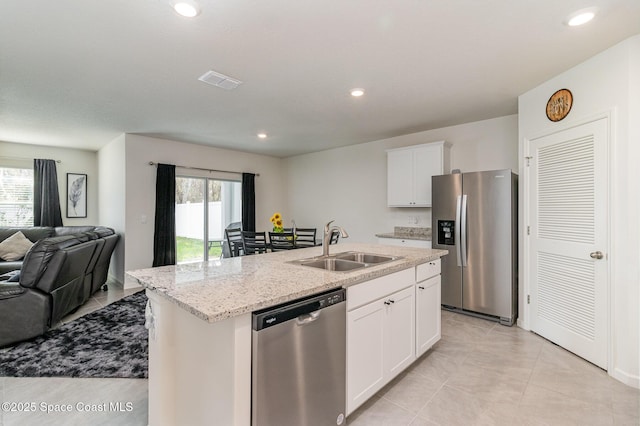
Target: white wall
{"points": [[608, 83], [141, 178], [112, 190], [349, 184], [72, 161]]}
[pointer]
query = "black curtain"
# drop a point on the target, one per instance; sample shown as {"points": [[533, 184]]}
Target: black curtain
{"points": [[164, 237], [248, 202], [46, 199]]}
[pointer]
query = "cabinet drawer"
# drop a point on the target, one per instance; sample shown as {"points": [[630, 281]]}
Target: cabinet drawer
{"points": [[427, 270], [361, 294]]}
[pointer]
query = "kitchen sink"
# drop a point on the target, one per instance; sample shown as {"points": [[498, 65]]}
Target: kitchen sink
{"points": [[333, 264], [356, 256], [345, 261]]}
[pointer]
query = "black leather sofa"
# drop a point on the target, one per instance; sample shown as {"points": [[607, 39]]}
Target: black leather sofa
{"points": [[57, 275]]}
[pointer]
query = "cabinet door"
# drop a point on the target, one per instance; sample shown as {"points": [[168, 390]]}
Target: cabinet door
{"points": [[427, 162], [400, 178], [399, 331], [428, 315], [365, 349]]}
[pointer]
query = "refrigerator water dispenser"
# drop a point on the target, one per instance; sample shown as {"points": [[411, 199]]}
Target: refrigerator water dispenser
{"points": [[446, 229]]}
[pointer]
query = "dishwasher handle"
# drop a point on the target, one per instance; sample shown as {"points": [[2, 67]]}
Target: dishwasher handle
{"points": [[304, 310], [308, 318]]}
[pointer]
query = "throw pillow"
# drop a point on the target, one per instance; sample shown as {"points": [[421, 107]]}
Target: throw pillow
{"points": [[15, 247]]}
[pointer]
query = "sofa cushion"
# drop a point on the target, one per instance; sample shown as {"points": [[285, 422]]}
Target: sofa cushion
{"points": [[71, 230], [33, 233], [15, 247]]}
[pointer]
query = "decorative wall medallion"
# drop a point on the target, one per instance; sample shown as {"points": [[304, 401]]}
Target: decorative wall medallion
{"points": [[559, 105]]}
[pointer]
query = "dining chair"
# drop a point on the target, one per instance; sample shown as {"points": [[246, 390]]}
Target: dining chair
{"points": [[234, 241], [335, 236], [281, 241], [305, 237], [254, 242]]}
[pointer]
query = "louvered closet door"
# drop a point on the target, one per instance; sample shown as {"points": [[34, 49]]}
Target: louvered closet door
{"points": [[568, 218]]}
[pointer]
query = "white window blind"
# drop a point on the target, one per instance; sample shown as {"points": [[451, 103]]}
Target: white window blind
{"points": [[16, 196]]}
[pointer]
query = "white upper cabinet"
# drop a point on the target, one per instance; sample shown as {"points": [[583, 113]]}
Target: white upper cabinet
{"points": [[409, 172]]}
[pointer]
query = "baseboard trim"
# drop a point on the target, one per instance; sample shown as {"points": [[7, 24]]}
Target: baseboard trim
{"points": [[627, 379]]}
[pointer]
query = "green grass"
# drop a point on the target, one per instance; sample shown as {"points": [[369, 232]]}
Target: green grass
{"points": [[190, 249]]}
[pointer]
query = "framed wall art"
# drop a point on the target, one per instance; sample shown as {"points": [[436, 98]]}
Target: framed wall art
{"points": [[559, 105], [76, 195]]}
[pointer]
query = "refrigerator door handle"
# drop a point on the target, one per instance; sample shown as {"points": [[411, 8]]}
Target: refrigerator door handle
{"points": [[463, 229], [457, 229]]}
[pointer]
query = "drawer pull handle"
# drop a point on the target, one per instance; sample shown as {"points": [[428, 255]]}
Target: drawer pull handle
{"points": [[420, 287], [389, 302]]}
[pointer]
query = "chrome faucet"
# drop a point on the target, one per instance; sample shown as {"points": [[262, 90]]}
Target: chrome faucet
{"points": [[326, 238]]}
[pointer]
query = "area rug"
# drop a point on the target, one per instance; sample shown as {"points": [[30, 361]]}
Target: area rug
{"points": [[110, 342]]}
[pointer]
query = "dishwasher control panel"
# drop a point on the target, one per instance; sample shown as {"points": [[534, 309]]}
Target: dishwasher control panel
{"points": [[274, 315]]}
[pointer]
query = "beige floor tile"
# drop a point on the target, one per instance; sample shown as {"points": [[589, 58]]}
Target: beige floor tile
{"points": [[565, 373], [503, 360], [546, 406], [453, 407], [437, 367], [417, 421], [411, 391], [625, 402], [380, 412], [459, 331], [489, 384], [454, 349], [501, 414]]}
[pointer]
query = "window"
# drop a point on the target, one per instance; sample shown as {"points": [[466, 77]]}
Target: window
{"points": [[16, 196], [220, 203]]}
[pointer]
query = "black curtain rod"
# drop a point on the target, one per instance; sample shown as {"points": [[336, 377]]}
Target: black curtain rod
{"points": [[151, 163]]}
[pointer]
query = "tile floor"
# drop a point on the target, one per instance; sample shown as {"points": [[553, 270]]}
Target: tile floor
{"points": [[480, 373]]}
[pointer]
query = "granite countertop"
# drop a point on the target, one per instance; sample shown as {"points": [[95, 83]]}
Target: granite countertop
{"points": [[222, 289], [408, 233]]}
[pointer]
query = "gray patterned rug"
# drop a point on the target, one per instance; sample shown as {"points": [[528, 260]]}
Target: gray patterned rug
{"points": [[110, 342]]}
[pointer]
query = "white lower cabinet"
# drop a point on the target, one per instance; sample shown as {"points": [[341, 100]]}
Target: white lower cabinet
{"points": [[428, 330], [399, 331], [380, 334], [428, 311], [391, 321]]}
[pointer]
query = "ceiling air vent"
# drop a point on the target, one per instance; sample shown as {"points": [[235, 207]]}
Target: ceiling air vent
{"points": [[219, 80]]}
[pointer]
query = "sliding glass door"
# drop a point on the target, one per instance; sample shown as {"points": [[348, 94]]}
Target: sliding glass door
{"points": [[204, 207]]}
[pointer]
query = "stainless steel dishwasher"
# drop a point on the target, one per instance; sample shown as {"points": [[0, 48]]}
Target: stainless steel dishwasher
{"points": [[299, 362]]}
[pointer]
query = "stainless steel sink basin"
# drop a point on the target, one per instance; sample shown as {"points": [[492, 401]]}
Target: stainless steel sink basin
{"points": [[345, 261], [333, 264], [364, 257]]}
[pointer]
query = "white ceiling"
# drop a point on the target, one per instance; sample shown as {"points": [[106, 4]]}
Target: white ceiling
{"points": [[78, 73]]}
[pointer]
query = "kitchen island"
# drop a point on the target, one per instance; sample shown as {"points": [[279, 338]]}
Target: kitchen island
{"points": [[200, 335]]}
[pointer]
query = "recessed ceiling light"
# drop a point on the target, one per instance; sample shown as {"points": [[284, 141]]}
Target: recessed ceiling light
{"points": [[357, 92], [188, 9], [262, 135], [581, 17]]}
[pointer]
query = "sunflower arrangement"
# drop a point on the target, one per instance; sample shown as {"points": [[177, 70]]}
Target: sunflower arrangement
{"points": [[276, 219]]}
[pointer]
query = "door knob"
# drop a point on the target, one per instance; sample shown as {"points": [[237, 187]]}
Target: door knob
{"points": [[596, 255]]}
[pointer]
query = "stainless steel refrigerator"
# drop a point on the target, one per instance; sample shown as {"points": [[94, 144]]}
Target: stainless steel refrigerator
{"points": [[474, 216]]}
